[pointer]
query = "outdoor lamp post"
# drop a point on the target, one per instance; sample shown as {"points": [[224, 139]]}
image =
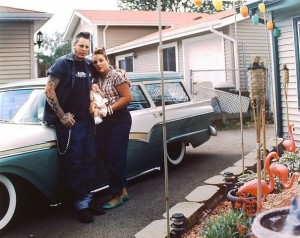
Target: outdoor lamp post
{"points": [[39, 39], [178, 225]]}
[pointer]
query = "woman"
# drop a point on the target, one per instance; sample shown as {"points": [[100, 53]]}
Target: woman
{"points": [[113, 133]]}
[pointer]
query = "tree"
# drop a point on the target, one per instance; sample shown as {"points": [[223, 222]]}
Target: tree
{"points": [[172, 5], [53, 46]]}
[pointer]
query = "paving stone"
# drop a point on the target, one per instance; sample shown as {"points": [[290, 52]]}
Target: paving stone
{"points": [[247, 162], [251, 155], [215, 180], [202, 193], [236, 170], [186, 208], [156, 229]]}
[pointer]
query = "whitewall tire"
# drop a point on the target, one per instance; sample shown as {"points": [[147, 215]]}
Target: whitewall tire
{"points": [[8, 201], [176, 152]]}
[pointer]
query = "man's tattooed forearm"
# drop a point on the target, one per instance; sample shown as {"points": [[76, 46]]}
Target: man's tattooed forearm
{"points": [[51, 96]]}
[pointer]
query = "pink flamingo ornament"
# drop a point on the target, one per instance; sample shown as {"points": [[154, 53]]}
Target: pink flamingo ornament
{"points": [[289, 144], [251, 186], [282, 172]]}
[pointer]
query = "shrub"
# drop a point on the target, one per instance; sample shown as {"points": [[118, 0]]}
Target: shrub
{"points": [[291, 160], [235, 224]]}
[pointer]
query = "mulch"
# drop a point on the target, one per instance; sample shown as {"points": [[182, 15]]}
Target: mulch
{"points": [[282, 199]]}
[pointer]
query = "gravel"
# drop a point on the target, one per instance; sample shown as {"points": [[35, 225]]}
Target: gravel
{"points": [[282, 199]]}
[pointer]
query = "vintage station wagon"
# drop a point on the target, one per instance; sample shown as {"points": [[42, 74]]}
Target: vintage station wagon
{"points": [[28, 152]]}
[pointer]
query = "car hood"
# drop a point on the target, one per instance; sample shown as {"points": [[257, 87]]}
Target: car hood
{"points": [[16, 136]]}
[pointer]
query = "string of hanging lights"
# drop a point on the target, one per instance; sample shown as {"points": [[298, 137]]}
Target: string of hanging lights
{"points": [[245, 12]]}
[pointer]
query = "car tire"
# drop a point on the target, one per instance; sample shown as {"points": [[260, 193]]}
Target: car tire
{"points": [[8, 201], [176, 151]]}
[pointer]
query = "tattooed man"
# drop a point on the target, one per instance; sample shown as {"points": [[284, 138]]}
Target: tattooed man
{"points": [[67, 110]]}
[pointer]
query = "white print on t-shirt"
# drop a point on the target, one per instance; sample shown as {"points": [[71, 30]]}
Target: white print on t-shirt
{"points": [[81, 74]]}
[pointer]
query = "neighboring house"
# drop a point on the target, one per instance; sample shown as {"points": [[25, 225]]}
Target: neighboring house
{"points": [[285, 50], [17, 29], [132, 39]]}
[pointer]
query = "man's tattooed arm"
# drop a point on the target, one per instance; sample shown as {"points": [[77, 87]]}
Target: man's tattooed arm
{"points": [[51, 96], [65, 118]]}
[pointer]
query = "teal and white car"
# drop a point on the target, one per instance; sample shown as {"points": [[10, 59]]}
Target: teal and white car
{"points": [[28, 153]]}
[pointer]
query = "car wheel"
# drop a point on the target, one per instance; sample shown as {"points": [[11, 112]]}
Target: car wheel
{"points": [[176, 152], [8, 201]]}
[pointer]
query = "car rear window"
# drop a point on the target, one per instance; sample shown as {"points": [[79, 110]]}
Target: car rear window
{"points": [[139, 100], [174, 93]]}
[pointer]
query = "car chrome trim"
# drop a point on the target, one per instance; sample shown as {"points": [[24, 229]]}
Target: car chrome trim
{"points": [[26, 149], [138, 136], [130, 178]]}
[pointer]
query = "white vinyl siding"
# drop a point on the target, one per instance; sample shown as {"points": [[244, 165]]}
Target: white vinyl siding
{"points": [[286, 55], [15, 51], [255, 41], [146, 59], [118, 35]]}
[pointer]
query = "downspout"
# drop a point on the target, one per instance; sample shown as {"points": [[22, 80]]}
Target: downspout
{"points": [[235, 49], [104, 35]]}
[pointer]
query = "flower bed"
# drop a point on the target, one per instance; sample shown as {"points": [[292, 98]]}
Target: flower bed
{"points": [[282, 199]]}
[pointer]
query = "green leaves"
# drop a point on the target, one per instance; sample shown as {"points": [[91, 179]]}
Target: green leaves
{"points": [[172, 5], [53, 47], [235, 224], [291, 160]]}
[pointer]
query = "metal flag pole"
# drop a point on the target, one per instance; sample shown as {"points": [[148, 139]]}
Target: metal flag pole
{"points": [[167, 199], [240, 93]]}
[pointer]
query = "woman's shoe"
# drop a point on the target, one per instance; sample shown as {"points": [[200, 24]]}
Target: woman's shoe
{"points": [[112, 206], [125, 198]]}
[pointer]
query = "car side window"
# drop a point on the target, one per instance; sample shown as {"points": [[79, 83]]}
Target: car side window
{"points": [[139, 100], [174, 93]]}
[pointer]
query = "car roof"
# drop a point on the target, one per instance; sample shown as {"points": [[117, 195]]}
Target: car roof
{"points": [[152, 76], [134, 77]]}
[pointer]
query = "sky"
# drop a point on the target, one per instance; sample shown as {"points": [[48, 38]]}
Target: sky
{"points": [[61, 9]]}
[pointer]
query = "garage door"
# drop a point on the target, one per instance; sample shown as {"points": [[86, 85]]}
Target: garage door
{"points": [[205, 53]]}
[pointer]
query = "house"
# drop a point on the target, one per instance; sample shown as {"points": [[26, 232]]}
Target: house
{"points": [[285, 51], [190, 42], [17, 29]]}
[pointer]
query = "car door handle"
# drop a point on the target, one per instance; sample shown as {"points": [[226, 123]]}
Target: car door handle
{"points": [[157, 114]]}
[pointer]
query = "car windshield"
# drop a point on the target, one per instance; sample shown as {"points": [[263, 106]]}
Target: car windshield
{"points": [[22, 106]]}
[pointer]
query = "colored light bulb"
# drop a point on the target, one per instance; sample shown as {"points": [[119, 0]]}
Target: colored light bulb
{"points": [[218, 4], [255, 19]]}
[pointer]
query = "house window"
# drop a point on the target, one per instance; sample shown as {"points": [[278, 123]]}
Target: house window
{"points": [[125, 62], [170, 57]]}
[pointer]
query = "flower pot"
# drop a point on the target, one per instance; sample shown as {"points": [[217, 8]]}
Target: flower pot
{"points": [[248, 204]]}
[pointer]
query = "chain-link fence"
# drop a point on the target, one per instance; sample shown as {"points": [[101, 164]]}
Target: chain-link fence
{"points": [[214, 84], [221, 87]]}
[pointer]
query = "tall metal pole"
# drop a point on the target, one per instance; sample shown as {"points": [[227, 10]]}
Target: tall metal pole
{"points": [[240, 93], [167, 199]]}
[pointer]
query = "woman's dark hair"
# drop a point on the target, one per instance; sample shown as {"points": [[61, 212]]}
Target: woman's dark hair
{"points": [[100, 51]]}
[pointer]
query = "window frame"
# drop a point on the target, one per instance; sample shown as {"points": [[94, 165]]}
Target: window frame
{"points": [[170, 45], [123, 57]]}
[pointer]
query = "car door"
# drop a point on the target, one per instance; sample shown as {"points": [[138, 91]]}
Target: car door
{"points": [[143, 150]]}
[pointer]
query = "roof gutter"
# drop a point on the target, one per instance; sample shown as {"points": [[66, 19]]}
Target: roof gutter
{"points": [[104, 35], [25, 16]]}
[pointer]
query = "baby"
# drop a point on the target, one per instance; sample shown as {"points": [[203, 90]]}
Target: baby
{"points": [[99, 108]]}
